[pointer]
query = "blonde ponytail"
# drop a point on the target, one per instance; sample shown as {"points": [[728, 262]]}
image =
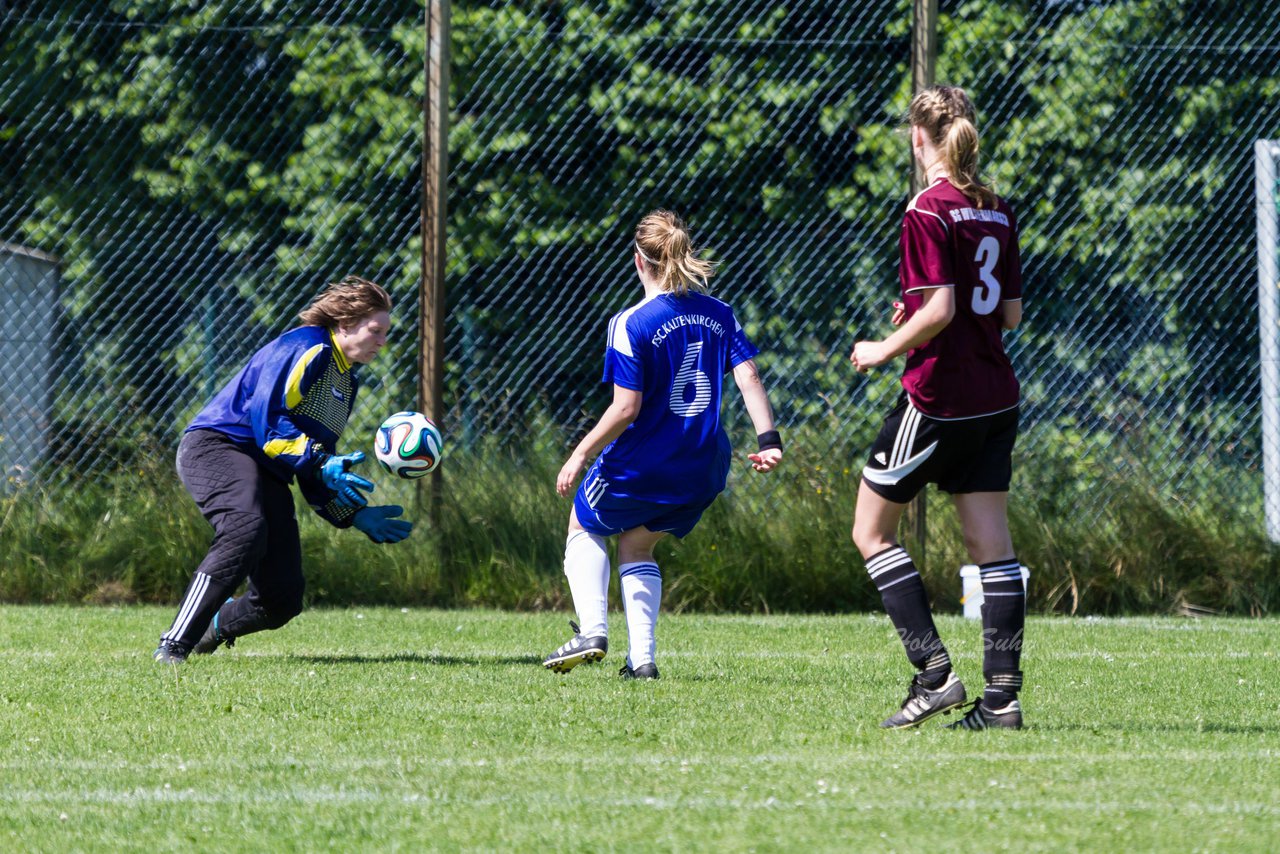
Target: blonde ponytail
{"points": [[947, 117], [665, 245]]}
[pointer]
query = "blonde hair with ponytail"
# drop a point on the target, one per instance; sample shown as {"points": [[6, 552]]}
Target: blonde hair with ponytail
{"points": [[947, 117], [667, 250]]}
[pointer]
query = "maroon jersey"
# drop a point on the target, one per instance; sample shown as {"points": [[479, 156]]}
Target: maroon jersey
{"points": [[948, 241]]}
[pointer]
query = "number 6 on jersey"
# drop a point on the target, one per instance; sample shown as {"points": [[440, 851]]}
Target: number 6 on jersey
{"points": [[687, 374]]}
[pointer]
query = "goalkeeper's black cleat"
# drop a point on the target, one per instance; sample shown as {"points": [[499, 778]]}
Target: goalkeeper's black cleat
{"points": [[212, 638], [577, 650], [170, 652], [644, 671], [1008, 716], [923, 703]]}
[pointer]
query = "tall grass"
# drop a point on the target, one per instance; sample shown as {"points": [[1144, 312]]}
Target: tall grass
{"points": [[127, 537], [775, 543]]}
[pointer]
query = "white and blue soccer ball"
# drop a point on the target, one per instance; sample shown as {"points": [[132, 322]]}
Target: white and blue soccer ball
{"points": [[408, 445]]}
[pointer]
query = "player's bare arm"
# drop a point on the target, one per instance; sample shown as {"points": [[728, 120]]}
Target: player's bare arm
{"points": [[756, 399], [621, 412], [932, 317], [1010, 313]]}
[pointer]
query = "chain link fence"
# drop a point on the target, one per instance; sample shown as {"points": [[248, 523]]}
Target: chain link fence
{"points": [[200, 170]]}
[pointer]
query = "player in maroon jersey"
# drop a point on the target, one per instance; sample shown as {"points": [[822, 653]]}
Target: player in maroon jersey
{"points": [[957, 418]]}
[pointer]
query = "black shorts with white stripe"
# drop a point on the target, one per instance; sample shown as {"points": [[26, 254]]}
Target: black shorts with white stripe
{"points": [[963, 455]]}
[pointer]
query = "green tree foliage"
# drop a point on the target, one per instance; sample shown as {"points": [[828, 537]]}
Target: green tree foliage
{"points": [[203, 167], [744, 117], [1124, 132]]}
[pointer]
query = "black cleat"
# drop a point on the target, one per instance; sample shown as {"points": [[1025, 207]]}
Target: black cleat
{"points": [[923, 703], [170, 652], [644, 671], [577, 650], [212, 638], [1008, 716]]}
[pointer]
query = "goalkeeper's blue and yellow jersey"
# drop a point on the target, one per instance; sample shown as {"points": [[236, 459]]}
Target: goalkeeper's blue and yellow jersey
{"points": [[289, 406]]}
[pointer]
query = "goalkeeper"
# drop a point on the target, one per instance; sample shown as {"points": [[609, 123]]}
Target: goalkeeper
{"points": [[279, 418]]}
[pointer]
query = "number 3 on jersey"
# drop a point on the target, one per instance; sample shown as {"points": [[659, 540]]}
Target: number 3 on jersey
{"points": [[986, 298], [687, 374]]}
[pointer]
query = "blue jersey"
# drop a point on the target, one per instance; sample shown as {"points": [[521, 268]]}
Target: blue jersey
{"points": [[675, 351], [288, 407]]}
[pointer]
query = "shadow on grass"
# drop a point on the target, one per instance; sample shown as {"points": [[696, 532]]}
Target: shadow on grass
{"points": [[419, 658]]}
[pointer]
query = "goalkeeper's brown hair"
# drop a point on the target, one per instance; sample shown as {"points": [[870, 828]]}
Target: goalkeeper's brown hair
{"points": [[947, 117], [667, 250], [347, 301]]}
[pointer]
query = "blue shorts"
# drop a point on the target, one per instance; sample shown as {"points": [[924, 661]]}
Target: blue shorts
{"points": [[613, 514]]}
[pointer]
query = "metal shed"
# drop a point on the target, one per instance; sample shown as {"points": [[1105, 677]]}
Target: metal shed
{"points": [[29, 282]]}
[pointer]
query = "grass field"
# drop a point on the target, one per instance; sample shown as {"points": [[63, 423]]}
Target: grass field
{"points": [[388, 729]]}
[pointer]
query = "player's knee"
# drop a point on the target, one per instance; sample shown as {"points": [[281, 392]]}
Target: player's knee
{"points": [[635, 555], [580, 538], [241, 537], [973, 544], [637, 545], [276, 613], [582, 543], [869, 540], [987, 546]]}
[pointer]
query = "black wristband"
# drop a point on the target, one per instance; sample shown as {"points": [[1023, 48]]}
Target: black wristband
{"points": [[769, 439]]}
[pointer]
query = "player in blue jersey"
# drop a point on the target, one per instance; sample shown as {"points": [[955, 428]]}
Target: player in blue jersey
{"points": [[665, 455], [278, 419]]}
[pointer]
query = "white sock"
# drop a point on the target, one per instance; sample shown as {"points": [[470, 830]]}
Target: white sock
{"points": [[641, 596], [586, 565]]}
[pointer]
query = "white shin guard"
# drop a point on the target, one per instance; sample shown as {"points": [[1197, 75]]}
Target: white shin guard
{"points": [[586, 565], [641, 596]]}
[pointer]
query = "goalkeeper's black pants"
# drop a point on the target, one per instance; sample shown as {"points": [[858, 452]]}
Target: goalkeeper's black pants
{"points": [[255, 538]]}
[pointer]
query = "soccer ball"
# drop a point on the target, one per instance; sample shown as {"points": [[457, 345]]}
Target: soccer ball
{"points": [[408, 444]]}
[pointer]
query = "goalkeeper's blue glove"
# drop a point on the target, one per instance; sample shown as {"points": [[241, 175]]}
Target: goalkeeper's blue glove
{"points": [[379, 526], [334, 474]]}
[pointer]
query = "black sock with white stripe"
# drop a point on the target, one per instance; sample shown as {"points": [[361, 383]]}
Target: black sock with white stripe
{"points": [[1004, 613], [1002, 689], [203, 598], [907, 604]]}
